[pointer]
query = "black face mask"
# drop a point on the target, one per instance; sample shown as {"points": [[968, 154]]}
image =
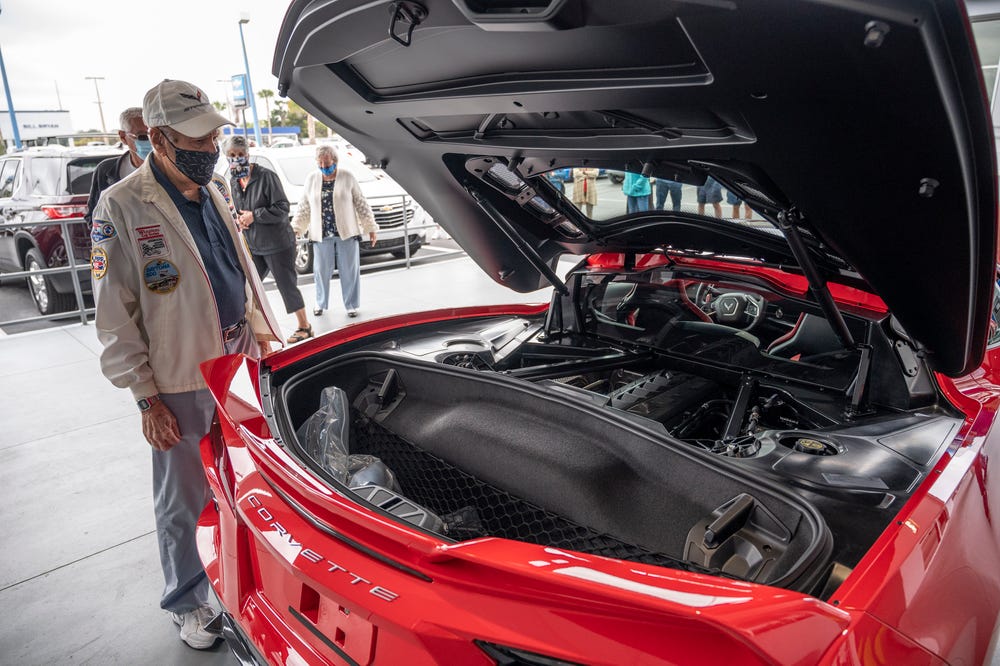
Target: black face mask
{"points": [[195, 164]]}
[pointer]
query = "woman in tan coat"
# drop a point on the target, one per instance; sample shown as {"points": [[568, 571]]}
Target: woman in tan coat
{"points": [[585, 190]]}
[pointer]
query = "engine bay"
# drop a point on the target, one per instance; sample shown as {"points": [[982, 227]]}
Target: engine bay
{"points": [[850, 432]]}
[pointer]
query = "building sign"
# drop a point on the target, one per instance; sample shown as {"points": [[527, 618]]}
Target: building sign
{"points": [[34, 125], [240, 91]]}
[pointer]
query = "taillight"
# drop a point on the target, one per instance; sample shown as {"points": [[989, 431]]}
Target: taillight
{"points": [[62, 212]]}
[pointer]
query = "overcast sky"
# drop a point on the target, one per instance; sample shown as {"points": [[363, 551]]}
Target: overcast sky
{"points": [[133, 44]]}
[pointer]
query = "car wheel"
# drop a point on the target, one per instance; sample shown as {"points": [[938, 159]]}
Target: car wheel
{"points": [[43, 292], [304, 259]]}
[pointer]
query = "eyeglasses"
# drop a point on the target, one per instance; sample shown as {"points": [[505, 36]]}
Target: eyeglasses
{"points": [[139, 137]]}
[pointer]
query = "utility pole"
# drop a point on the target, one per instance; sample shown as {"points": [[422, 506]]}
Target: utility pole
{"points": [[58, 98], [100, 107]]}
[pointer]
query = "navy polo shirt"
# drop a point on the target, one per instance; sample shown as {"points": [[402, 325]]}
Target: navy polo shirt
{"points": [[215, 246]]}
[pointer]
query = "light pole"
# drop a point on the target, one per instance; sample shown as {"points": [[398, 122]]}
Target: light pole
{"points": [[100, 107], [10, 103], [245, 18]]}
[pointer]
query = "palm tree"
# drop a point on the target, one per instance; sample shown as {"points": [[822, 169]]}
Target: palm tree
{"points": [[266, 95]]}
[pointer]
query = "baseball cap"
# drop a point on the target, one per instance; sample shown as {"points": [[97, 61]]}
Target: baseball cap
{"points": [[181, 106]]}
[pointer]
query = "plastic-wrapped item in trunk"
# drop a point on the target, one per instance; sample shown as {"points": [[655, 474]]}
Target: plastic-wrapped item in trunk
{"points": [[325, 438]]}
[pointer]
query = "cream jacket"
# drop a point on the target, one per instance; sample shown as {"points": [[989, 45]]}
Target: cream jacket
{"points": [[156, 312], [350, 207]]}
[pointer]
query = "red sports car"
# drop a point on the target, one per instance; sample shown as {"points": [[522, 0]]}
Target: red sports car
{"points": [[761, 441]]}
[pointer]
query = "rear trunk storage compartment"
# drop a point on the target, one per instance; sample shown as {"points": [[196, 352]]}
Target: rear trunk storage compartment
{"points": [[477, 454]]}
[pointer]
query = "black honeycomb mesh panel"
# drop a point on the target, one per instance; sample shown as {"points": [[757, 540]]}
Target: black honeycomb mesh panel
{"points": [[430, 481]]}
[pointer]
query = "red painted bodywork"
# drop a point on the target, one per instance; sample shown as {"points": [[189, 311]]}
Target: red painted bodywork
{"points": [[927, 592]]}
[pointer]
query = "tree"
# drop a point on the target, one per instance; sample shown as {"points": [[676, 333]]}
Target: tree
{"points": [[219, 106], [266, 95], [280, 114], [296, 116]]}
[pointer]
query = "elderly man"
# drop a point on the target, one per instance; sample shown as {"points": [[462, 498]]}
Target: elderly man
{"points": [[175, 287], [135, 136]]}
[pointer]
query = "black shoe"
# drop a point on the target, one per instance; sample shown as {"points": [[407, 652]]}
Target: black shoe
{"points": [[317, 311]]}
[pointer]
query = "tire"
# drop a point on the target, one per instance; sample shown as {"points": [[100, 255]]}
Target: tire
{"points": [[304, 259], [43, 292]]}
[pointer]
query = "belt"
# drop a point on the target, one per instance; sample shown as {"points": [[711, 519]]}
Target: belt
{"points": [[234, 331]]}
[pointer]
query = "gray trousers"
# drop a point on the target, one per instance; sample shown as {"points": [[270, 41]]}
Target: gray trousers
{"points": [[180, 492]]}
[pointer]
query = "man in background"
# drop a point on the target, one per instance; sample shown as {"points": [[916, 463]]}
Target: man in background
{"points": [[134, 135]]}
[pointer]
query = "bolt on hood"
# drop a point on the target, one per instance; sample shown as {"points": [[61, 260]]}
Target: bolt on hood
{"points": [[867, 121]]}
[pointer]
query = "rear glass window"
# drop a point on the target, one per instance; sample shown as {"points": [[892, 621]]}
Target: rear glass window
{"points": [[675, 313], [52, 176]]}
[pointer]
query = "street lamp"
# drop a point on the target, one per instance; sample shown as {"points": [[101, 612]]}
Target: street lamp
{"points": [[100, 107], [10, 103], [245, 18]]}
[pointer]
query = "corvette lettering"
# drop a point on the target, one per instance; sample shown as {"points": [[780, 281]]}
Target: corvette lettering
{"points": [[315, 557]]}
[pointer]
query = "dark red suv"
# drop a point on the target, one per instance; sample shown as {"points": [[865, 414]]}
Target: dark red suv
{"points": [[47, 184]]}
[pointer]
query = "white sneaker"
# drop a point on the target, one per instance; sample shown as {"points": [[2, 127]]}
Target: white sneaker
{"points": [[353, 312], [193, 623]]}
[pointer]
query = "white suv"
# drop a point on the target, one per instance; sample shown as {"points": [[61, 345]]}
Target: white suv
{"points": [[390, 203]]}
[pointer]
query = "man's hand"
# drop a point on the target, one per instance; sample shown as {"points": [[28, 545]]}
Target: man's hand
{"points": [[244, 218], [372, 236], [159, 426]]}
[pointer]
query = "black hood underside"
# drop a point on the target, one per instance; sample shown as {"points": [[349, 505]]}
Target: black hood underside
{"points": [[867, 122]]}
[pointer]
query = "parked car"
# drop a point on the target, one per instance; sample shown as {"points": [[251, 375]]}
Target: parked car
{"points": [[47, 184], [718, 442], [389, 202]]}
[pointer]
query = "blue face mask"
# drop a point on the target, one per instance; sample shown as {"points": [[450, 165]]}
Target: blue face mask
{"points": [[143, 148], [328, 171]]}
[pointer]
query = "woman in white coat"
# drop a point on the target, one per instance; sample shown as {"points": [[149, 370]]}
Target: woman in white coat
{"points": [[336, 213]]}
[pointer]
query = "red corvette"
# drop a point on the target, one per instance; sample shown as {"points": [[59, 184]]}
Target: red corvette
{"points": [[722, 441]]}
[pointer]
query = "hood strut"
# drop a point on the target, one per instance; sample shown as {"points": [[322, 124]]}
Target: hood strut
{"points": [[522, 246], [817, 283]]}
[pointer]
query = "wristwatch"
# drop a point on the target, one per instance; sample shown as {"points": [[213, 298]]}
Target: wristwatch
{"points": [[145, 404]]}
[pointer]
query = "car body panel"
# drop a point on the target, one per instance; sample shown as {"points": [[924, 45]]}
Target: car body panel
{"points": [[889, 610]]}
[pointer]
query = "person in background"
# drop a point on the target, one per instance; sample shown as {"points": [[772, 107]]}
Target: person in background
{"points": [[665, 187], [262, 214], [637, 190], [735, 202], [135, 136], [710, 193], [585, 190], [174, 287], [335, 213], [555, 178]]}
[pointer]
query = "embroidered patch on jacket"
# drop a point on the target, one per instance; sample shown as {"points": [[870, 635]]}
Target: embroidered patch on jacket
{"points": [[101, 231], [161, 277], [151, 242], [98, 262]]}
